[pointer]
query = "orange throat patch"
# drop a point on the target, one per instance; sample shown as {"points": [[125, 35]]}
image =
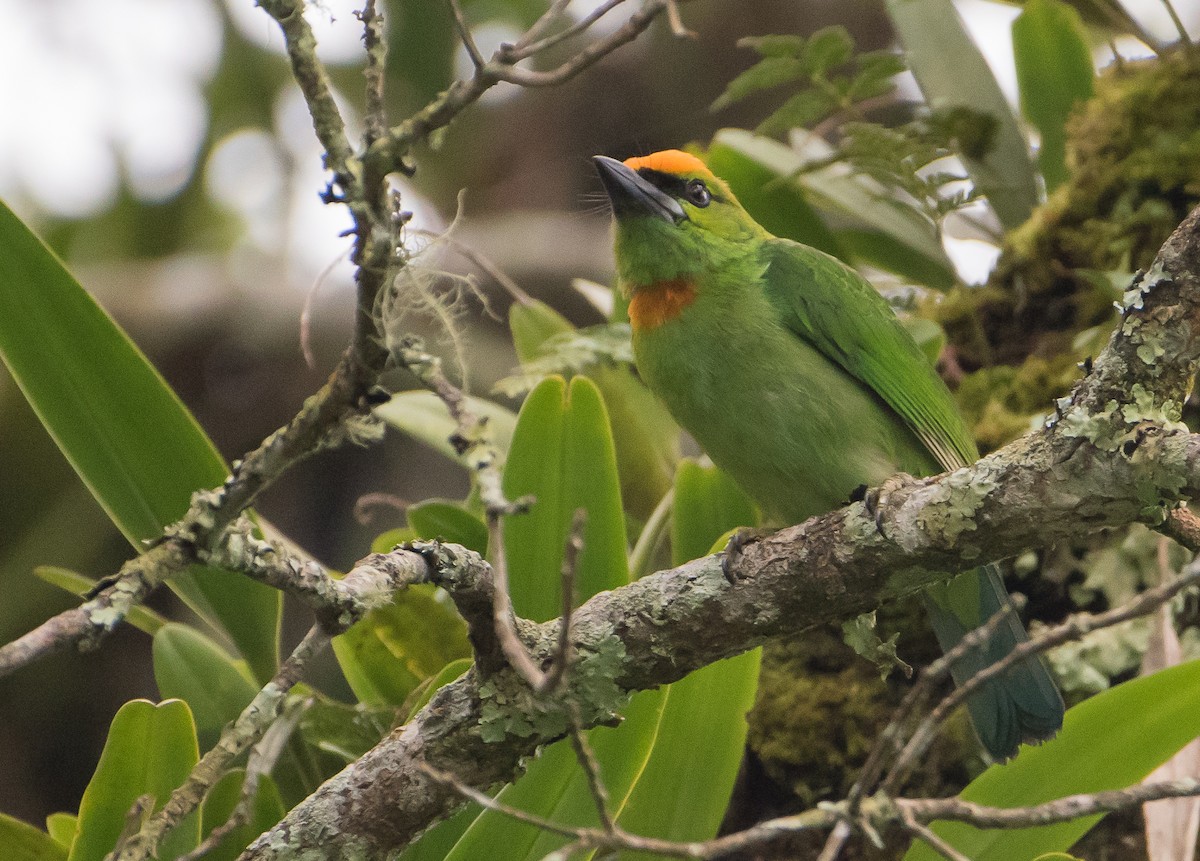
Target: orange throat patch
{"points": [[660, 302]]}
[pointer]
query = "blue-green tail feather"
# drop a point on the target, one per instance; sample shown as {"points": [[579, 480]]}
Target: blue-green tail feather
{"points": [[1022, 705]]}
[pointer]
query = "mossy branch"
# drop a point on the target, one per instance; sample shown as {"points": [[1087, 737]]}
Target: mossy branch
{"points": [[1116, 455]]}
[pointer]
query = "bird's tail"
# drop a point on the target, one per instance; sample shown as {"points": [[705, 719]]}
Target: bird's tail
{"points": [[1022, 704]]}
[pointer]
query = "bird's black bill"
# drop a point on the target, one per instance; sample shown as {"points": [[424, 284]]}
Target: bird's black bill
{"points": [[634, 195]]}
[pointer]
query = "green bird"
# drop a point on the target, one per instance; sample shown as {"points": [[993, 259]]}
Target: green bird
{"points": [[797, 379]]}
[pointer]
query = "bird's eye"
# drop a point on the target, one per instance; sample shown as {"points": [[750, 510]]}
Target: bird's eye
{"points": [[697, 193]]}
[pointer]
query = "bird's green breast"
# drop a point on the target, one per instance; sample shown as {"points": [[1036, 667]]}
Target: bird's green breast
{"points": [[792, 428]]}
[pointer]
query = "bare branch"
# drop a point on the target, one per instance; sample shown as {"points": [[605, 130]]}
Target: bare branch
{"points": [[591, 768], [936, 843], [1060, 810], [391, 151], [338, 603], [310, 74], [374, 73], [464, 33], [543, 23], [525, 48]]}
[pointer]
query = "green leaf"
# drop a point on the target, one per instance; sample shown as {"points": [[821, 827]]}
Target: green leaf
{"points": [[707, 505], [437, 843], [1054, 72], [644, 434], [769, 72], [785, 45], [445, 676], [954, 76], [423, 416], [895, 226], [448, 521], [1110, 741], [191, 667], [562, 454], [395, 648], [266, 810], [133, 443], [344, 731], [23, 842], [150, 750], [62, 827], [532, 324], [142, 618], [703, 726], [683, 790], [828, 48], [805, 108], [930, 336]]}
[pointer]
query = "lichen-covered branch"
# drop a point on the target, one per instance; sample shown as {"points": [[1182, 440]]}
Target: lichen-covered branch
{"points": [[337, 603], [1116, 455]]}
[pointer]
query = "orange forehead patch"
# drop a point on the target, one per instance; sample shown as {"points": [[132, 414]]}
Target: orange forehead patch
{"points": [[660, 302], [668, 161]]}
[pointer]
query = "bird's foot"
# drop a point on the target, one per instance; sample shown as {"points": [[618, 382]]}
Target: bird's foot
{"points": [[875, 499], [733, 550]]}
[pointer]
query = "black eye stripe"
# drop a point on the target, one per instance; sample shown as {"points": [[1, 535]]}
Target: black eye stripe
{"points": [[676, 186]]}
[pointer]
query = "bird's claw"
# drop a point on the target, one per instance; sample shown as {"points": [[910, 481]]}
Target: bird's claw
{"points": [[733, 550], [875, 499]]}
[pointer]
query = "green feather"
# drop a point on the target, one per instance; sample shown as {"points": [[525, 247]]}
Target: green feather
{"points": [[798, 380]]}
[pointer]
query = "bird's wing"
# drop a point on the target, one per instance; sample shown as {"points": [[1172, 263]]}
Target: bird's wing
{"points": [[832, 307]]}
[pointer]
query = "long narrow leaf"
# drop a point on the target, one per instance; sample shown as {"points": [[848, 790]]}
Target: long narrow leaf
{"points": [[131, 440], [954, 76], [150, 750], [23, 842], [1054, 72], [1110, 741]]}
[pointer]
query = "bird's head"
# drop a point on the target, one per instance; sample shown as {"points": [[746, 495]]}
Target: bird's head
{"points": [[673, 215]]}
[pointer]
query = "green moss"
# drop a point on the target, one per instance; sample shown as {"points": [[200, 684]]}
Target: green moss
{"points": [[1133, 158], [820, 708], [1001, 403]]}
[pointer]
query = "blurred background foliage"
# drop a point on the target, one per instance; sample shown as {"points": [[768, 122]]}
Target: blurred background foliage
{"points": [[164, 154]]}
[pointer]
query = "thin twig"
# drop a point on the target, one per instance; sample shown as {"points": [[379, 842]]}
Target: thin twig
{"points": [[591, 769], [488, 803], [1059, 810], [523, 49], [311, 75], [836, 842], [552, 13], [338, 602], [374, 74], [503, 617], [460, 95], [936, 843], [562, 649], [889, 741], [676, 22], [249, 727], [1178, 22], [464, 33]]}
